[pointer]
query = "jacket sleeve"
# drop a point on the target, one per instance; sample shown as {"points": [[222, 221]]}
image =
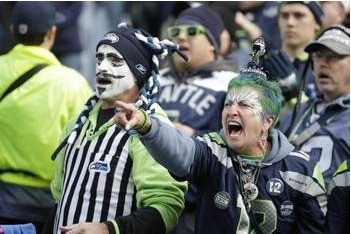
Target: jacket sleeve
{"points": [[160, 198], [170, 148]]}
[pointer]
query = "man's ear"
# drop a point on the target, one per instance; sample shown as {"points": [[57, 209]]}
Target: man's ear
{"points": [[49, 38], [51, 34]]}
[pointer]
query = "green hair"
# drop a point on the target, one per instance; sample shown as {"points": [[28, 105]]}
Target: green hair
{"points": [[272, 97]]}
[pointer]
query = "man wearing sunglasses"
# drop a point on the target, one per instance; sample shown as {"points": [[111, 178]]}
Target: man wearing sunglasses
{"points": [[193, 92], [323, 125]]}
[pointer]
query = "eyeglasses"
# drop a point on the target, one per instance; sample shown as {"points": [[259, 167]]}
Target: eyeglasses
{"points": [[187, 30], [329, 56]]}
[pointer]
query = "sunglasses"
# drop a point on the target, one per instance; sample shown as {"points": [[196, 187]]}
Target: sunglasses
{"points": [[327, 55], [187, 30]]}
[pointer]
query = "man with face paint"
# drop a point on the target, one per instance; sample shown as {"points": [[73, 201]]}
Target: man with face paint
{"points": [[248, 174], [106, 181]]}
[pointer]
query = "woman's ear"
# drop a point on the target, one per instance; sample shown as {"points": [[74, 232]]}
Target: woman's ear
{"points": [[268, 122]]}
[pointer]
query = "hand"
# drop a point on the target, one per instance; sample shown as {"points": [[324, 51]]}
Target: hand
{"points": [[85, 228], [252, 30], [279, 68], [128, 116]]}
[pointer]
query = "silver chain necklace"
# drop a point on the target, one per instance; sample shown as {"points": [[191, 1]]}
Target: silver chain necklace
{"points": [[248, 176]]}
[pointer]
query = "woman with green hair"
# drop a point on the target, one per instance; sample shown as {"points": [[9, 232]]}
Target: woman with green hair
{"points": [[249, 176]]}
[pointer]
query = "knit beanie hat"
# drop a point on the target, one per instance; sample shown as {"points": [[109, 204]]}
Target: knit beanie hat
{"points": [[134, 51], [314, 6], [206, 17]]}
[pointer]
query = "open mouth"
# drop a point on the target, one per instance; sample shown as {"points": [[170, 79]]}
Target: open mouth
{"points": [[234, 128], [183, 48], [323, 76], [103, 81]]}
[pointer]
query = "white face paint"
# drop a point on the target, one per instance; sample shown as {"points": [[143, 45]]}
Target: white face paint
{"points": [[246, 97], [113, 75], [242, 120]]}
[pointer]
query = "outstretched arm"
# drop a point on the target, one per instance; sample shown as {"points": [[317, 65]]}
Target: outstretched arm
{"points": [[167, 146]]}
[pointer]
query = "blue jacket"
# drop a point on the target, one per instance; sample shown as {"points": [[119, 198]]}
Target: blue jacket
{"points": [[291, 197]]}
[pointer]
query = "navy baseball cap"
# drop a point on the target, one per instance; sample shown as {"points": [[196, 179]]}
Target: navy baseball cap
{"points": [[33, 18]]}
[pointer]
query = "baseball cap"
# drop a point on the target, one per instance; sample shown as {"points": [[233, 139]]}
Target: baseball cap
{"points": [[33, 18], [336, 38]]}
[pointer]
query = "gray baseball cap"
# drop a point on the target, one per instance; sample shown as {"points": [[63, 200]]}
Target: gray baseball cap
{"points": [[336, 38]]}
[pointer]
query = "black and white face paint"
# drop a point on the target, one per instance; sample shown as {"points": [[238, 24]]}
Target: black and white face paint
{"points": [[113, 75]]}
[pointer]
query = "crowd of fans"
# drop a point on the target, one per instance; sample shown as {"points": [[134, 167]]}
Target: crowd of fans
{"points": [[222, 136]]}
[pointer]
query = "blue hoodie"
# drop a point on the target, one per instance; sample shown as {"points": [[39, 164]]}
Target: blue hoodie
{"points": [[291, 197]]}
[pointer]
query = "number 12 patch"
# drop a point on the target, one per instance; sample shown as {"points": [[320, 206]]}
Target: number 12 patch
{"points": [[275, 186]]}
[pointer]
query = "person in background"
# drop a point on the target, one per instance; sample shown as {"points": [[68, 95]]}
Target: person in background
{"points": [[334, 13], [191, 89], [230, 49], [249, 176], [259, 19], [299, 24], [68, 46], [106, 181], [192, 93], [34, 107], [322, 125]]}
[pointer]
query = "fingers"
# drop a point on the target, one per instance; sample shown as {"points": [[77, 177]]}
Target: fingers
{"points": [[86, 228], [66, 229], [127, 115], [126, 107]]}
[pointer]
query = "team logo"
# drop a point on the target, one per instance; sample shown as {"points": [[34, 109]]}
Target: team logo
{"points": [[222, 199], [286, 208], [99, 166], [275, 187], [111, 37], [23, 29], [141, 68]]}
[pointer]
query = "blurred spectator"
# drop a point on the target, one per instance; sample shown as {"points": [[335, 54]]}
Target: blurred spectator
{"points": [[338, 214], [68, 45], [263, 15], [334, 13], [33, 114], [193, 92], [150, 15], [191, 89], [346, 21], [6, 38], [230, 49], [299, 24], [322, 126]]}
